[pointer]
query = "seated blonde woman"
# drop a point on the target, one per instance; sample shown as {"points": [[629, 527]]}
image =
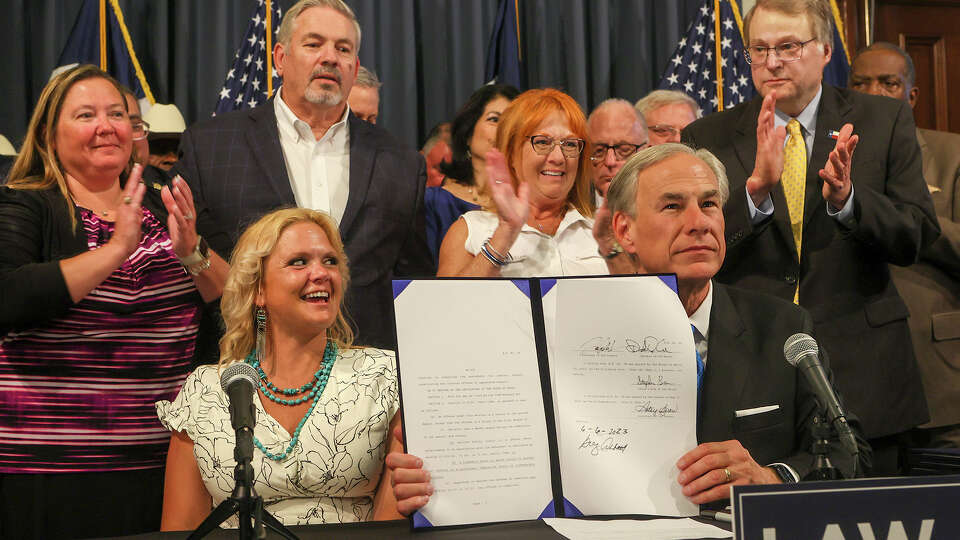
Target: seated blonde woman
{"points": [[324, 407], [541, 218]]}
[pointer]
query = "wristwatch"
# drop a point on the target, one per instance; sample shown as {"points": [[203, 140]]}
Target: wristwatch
{"points": [[199, 260], [615, 250], [783, 472]]}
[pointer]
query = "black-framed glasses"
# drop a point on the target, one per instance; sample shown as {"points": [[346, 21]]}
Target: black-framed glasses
{"points": [[140, 130], [622, 151], [786, 52], [543, 145]]}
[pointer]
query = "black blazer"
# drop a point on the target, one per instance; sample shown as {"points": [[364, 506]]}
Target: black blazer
{"points": [[236, 170], [746, 369], [844, 280]]}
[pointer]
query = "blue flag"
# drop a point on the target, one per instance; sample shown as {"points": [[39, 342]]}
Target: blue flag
{"points": [[105, 43], [838, 69], [693, 66], [504, 58], [252, 79]]}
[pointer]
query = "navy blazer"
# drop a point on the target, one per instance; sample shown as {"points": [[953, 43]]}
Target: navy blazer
{"points": [[236, 170], [844, 280]]}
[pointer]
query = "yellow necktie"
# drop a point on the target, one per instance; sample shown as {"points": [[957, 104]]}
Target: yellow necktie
{"points": [[794, 180]]}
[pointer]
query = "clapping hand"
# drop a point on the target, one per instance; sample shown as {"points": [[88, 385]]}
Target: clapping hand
{"points": [[836, 172], [182, 221], [128, 224], [512, 208], [769, 162]]}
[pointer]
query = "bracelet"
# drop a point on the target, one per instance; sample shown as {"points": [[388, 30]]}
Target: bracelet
{"points": [[505, 258], [494, 260], [615, 250]]}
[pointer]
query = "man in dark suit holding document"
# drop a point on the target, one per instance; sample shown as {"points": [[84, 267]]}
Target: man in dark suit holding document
{"points": [[667, 205]]}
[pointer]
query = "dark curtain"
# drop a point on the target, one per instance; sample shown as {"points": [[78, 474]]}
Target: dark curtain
{"points": [[429, 53]]}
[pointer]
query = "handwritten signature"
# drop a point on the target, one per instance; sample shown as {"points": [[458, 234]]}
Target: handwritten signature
{"points": [[648, 381], [609, 444], [608, 344], [647, 407]]}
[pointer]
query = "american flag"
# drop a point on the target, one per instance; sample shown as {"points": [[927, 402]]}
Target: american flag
{"points": [[246, 84], [693, 66]]}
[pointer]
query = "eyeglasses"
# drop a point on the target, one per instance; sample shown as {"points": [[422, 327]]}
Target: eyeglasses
{"points": [[664, 130], [140, 130], [543, 145], [786, 52], [621, 151]]}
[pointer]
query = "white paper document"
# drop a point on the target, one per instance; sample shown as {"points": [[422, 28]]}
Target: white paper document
{"points": [[473, 404], [624, 377], [629, 529]]}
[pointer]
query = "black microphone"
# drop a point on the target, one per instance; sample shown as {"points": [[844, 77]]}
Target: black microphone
{"points": [[239, 382], [801, 352]]}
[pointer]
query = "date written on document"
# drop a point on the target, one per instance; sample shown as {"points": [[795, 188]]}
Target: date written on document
{"points": [[604, 439]]}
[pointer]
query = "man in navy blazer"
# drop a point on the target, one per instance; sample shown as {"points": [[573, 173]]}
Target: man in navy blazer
{"points": [[864, 205], [305, 148]]}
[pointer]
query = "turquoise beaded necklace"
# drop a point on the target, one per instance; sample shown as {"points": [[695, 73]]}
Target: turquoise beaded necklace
{"points": [[315, 387]]}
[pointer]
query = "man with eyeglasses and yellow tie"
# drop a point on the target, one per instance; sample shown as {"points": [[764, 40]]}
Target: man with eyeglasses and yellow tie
{"points": [[826, 189]]}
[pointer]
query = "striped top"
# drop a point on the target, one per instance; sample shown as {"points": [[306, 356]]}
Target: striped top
{"points": [[77, 392]]}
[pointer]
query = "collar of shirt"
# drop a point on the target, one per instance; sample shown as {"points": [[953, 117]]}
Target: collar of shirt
{"points": [[807, 119], [297, 130], [701, 317]]}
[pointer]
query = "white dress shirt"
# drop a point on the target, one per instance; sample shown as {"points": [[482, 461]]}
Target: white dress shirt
{"points": [[319, 169]]}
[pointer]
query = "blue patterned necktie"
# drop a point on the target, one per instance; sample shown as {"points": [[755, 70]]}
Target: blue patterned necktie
{"points": [[698, 342]]}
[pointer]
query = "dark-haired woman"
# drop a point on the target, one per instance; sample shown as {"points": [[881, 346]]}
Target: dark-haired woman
{"points": [[464, 188]]}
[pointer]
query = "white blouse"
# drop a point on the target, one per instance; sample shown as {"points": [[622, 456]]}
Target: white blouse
{"points": [[332, 474], [572, 251]]}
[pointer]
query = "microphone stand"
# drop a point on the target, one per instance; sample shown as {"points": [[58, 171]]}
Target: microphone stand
{"points": [[823, 468], [244, 500]]}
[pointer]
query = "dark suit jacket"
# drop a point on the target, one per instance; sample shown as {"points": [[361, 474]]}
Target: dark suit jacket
{"points": [[843, 274], [931, 288], [235, 167], [746, 369]]}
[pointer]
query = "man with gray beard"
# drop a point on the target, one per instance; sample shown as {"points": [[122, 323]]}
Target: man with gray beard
{"points": [[306, 148]]}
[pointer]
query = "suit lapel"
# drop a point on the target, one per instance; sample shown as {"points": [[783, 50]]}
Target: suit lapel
{"points": [[727, 370], [831, 117], [264, 143], [363, 153]]}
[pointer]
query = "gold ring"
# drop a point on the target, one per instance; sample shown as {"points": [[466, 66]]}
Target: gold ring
{"points": [[188, 217], [728, 474], [127, 199]]}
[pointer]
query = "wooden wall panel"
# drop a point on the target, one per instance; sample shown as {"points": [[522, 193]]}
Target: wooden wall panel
{"points": [[930, 31]]}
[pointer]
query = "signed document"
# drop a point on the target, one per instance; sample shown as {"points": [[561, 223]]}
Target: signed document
{"points": [[537, 398], [472, 400], [624, 376]]}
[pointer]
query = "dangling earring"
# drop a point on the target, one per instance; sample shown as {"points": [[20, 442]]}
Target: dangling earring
{"points": [[261, 320]]}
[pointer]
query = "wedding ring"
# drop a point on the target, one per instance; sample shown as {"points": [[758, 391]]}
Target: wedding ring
{"points": [[127, 199], [188, 217], [728, 474], [499, 181]]}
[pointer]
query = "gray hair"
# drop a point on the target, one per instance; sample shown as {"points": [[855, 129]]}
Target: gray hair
{"points": [[367, 78], [819, 12], [660, 98], [286, 26], [910, 74], [617, 102], [622, 194]]}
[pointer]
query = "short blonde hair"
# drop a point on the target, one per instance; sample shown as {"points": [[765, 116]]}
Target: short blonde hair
{"points": [[522, 117], [818, 11], [238, 304]]}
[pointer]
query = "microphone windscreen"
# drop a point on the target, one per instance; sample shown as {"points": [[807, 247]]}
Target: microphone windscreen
{"points": [[236, 371], [797, 346]]}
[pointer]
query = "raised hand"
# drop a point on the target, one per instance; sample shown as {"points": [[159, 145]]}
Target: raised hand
{"points": [[768, 165], [513, 208], [836, 172], [181, 222], [127, 229]]}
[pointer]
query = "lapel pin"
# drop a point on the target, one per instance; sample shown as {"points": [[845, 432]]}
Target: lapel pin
{"points": [[833, 134]]}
